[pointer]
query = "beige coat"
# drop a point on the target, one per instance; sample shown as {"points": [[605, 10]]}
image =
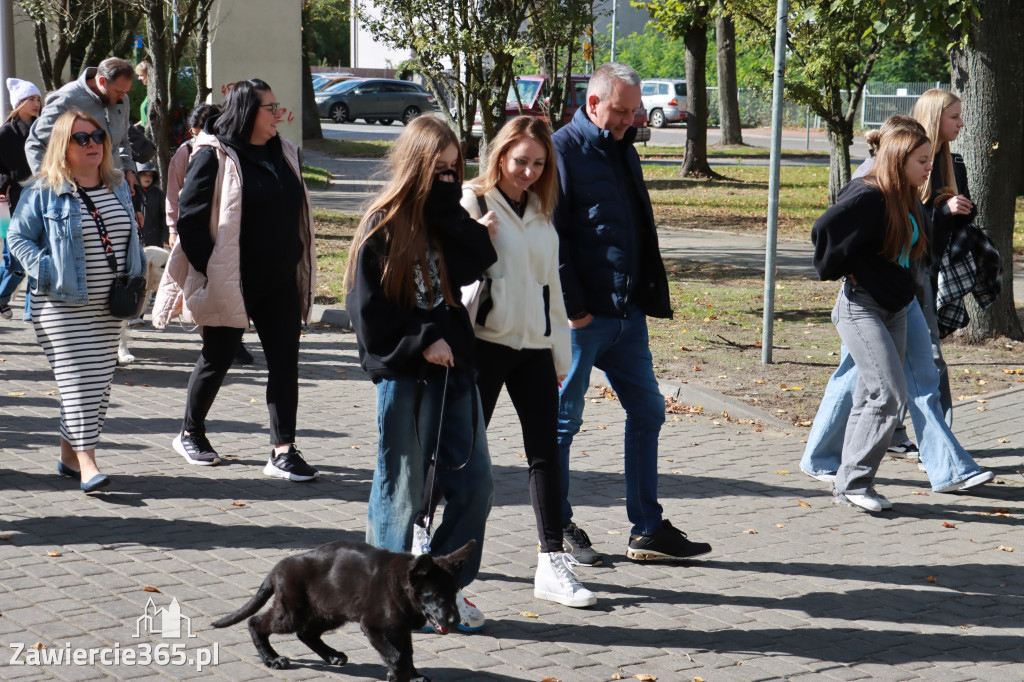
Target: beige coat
{"points": [[215, 299]]}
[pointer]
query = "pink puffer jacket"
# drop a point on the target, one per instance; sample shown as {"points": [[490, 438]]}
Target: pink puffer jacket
{"points": [[215, 300]]}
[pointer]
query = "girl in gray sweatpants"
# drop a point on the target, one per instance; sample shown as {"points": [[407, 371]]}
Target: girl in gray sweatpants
{"points": [[872, 239]]}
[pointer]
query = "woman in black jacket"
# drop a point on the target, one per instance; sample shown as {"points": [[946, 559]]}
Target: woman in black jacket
{"points": [[415, 247], [14, 171], [870, 239]]}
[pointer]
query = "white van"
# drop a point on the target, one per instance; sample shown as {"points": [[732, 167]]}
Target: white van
{"points": [[665, 100]]}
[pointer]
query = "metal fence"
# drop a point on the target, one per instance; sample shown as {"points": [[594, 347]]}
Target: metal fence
{"points": [[882, 100]]}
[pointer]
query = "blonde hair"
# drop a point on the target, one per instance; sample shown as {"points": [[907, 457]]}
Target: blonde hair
{"points": [[16, 112], [398, 213], [928, 111], [54, 171], [890, 176], [512, 133]]}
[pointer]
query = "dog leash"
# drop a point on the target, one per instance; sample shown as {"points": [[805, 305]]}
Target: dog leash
{"points": [[428, 518]]}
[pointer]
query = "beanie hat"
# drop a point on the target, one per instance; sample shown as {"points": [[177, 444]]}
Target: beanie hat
{"points": [[20, 90]]}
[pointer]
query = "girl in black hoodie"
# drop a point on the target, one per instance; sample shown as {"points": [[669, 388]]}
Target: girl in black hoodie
{"points": [[870, 239], [414, 249]]}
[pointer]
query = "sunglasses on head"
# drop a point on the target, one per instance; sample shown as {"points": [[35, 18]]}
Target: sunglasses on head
{"points": [[97, 136]]}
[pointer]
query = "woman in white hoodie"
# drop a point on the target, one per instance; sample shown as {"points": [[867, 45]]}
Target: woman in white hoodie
{"points": [[522, 330]]}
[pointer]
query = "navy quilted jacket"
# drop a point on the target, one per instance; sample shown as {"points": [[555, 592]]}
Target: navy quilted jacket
{"points": [[607, 261]]}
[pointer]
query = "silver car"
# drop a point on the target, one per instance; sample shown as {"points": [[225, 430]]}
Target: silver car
{"points": [[374, 100], [665, 100]]}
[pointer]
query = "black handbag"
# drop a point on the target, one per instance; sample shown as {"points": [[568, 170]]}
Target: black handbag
{"points": [[127, 293]]}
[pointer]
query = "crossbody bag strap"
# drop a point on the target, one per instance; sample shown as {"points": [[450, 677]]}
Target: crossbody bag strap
{"points": [[101, 227], [482, 203]]}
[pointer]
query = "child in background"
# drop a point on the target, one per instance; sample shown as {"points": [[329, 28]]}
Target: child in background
{"points": [[154, 230]]}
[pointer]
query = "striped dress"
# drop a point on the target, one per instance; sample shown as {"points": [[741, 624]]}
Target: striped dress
{"points": [[80, 341]]}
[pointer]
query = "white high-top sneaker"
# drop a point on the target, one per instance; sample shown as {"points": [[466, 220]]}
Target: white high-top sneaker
{"points": [[556, 581]]}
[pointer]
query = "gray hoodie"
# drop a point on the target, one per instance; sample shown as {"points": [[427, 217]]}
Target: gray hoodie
{"points": [[78, 95]]}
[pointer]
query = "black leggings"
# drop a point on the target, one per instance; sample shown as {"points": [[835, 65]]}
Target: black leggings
{"points": [[529, 377], [277, 318]]}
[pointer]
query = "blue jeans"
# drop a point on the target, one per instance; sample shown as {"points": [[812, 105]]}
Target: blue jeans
{"points": [[407, 435], [944, 459], [619, 348], [11, 275]]}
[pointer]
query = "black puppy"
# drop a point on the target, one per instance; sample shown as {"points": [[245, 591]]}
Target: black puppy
{"points": [[387, 593]]}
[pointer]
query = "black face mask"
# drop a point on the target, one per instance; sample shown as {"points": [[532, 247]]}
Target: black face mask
{"points": [[446, 176]]}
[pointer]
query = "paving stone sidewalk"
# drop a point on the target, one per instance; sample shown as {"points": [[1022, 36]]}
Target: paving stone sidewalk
{"points": [[795, 588]]}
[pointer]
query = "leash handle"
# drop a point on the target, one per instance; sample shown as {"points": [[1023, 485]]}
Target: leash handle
{"points": [[429, 518]]}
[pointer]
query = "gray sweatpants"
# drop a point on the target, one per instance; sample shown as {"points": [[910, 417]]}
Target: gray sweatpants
{"points": [[876, 339]]}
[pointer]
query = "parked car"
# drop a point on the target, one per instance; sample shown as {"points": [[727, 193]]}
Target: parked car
{"points": [[322, 81], [375, 100], [530, 96], [665, 100]]}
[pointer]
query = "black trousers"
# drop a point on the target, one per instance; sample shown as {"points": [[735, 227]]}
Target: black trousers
{"points": [[277, 317], [529, 377]]}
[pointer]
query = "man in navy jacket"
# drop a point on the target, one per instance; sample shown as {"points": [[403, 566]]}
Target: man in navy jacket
{"points": [[612, 278]]}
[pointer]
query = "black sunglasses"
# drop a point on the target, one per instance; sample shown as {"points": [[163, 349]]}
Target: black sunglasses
{"points": [[97, 136]]}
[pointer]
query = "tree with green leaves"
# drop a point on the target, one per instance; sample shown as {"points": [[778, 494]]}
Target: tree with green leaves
{"points": [[833, 47], [326, 34], [555, 30], [462, 47], [688, 19]]}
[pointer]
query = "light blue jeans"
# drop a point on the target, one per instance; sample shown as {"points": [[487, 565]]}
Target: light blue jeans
{"points": [[621, 349], [408, 411], [944, 459]]}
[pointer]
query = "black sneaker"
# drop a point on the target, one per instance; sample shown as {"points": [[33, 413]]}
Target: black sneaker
{"points": [[243, 357], [667, 543], [905, 450], [195, 448], [290, 465], [575, 541], [5, 311]]}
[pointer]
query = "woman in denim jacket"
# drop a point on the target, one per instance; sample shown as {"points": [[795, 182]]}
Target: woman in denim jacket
{"points": [[71, 254]]}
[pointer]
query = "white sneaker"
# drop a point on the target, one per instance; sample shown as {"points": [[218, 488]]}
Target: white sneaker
{"points": [[975, 480], [471, 618], [827, 478], [556, 581], [420, 540], [886, 504], [869, 503]]}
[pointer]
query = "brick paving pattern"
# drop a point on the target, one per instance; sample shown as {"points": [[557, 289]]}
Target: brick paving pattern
{"points": [[795, 588]]}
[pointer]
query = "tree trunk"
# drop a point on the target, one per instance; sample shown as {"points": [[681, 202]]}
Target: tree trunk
{"points": [[203, 89], [728, 97], [987, 75], [159, 91], [839, 159], [311, 129], [695, 163]]}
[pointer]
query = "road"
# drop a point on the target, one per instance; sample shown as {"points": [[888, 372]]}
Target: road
{"points": [[674, 135]]}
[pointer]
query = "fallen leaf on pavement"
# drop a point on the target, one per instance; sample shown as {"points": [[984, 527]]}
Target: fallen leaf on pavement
{"points": [[981, 409], [253, 400], [520, 454], [353, 447], [1004, 440], [38, 646], [6, 536], [758, 381], [147, 588], [995, 512], [932, 579], [615, 532], [947, 524], [1005, 548], [16, 394], [780, 525], [238, 504], [918, 492], [551, 679], [782, 472], [53, 552], [645, 677], [527, 614], [750, 531], [802, 503]]}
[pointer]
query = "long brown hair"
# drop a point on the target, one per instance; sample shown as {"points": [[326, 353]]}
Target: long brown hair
{"points": [[895, 122], [397, 212], [512, 133], [889, 175], [928, 111]]}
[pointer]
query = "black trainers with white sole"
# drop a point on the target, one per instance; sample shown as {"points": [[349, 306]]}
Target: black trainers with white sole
{"points": [[289, 465], [196, 449], [668, 542], [575, 541]]}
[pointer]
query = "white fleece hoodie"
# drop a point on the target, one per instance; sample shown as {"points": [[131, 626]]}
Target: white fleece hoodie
{"points": [[528, 311]]}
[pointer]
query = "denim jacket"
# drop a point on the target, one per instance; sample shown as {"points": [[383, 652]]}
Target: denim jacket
{"points": [[46, 238]]}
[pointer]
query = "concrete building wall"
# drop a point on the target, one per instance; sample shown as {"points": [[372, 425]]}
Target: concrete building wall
{"points": [[260, 39], [367, 53]]}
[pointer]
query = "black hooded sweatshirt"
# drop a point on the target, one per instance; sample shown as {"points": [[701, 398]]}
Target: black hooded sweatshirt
{"points": [[391, 338], [848, 239]]}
